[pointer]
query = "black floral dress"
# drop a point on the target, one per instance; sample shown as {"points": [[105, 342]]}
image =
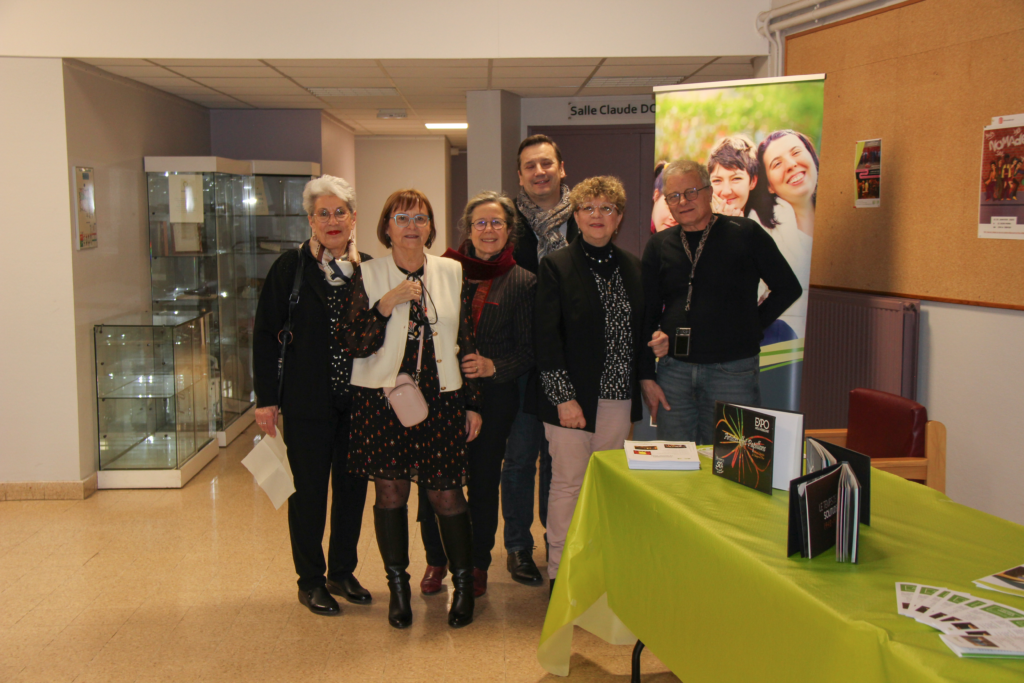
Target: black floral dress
{"points": [[433, 452]]}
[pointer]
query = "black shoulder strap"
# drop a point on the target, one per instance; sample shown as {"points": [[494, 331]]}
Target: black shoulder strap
{"points": [[285, 336]]}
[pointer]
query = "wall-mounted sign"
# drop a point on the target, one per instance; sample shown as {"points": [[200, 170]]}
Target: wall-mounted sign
{"points": [[595, 109], [85, 208]]}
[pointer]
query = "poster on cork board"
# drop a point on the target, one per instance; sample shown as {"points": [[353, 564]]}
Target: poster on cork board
{"points": [[1001, 202]]}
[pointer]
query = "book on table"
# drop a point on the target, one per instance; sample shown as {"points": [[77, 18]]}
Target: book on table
{"points": [[821, 454], [758, 447], [662, 455], [824, 512]]}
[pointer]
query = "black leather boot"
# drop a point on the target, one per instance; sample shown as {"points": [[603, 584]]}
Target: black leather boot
{"points": [[392, 527], [457, 536]]}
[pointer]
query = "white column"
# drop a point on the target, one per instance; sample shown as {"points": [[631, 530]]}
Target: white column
{"points": [[492, 141]]}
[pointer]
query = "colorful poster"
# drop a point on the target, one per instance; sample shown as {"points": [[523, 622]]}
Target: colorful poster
{"points": [[85, 208], [1001, 205], [868, 175], [760, 139]]}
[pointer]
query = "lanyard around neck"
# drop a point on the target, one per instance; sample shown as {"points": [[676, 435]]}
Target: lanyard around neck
{"points": [[695, 258]]}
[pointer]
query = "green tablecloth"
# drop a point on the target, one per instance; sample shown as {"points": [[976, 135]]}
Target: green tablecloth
{"points": [[695, 566]]}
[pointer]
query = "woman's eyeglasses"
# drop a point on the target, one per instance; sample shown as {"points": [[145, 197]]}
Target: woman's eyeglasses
{"points": [[604, 209], [690, 195], [496, 223], [324, 215], [402, 220]]}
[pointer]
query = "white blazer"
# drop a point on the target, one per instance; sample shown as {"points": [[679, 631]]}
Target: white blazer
{"points": [[442, 279]]}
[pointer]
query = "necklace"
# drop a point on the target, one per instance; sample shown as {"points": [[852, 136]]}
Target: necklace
{"points": [[599, 259]]}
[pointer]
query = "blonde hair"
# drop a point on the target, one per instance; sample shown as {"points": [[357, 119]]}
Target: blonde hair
{"points": [[605, 186]]}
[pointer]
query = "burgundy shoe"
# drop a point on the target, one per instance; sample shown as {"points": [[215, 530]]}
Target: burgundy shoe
{"points": [[479, 582], [432, 578]]}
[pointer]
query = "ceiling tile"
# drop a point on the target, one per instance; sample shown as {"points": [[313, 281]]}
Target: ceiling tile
{"points": [[280, 98], [603, 92], [586, 61], [115, 62], [364, 102], [286, 105], [542, 71], [433, 62], [544, 92], [677, 70], [735, 60], [242, 82], [731, 70], [708, 78], [285, 88], [208, 62], [536, 82], [433, 72], [649, 61], [379, 82], [322, 62], [332, 71], [138, 71], [168, 80], [441, 83], [226, 71]]}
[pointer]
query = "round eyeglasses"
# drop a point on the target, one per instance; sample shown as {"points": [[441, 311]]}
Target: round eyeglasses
{"points": [[324, 215], [604, 209], [402, 220], [689, 194], [496, 223]]}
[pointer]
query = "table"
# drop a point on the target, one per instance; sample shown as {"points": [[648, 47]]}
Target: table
{"points": [[695, 566]]}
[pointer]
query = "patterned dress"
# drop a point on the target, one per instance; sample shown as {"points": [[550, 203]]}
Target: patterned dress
{"points": [[433, 452]]}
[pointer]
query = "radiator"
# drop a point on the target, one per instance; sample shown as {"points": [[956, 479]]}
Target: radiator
{"points": [[856, 340]]}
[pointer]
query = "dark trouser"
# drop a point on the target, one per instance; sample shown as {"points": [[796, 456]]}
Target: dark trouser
{"points": [[500, 404], [318, 452], [525, 441]]}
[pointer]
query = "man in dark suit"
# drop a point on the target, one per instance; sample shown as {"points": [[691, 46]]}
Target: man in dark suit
{"points": [[544, 224]]}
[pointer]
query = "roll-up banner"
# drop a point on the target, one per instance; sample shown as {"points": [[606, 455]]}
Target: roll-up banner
{"points": [[760, 140]]}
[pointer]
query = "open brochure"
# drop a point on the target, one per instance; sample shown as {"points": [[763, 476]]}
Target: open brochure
{"points": [[971, 626], [662, 455], [824, 512], [1010, 581]]}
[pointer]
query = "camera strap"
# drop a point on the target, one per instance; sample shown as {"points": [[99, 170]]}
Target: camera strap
{"points": [[695, 258]]}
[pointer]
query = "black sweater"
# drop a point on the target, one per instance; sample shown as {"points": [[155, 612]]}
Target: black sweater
{"points": [[307, 374], [726, 322], [505, 331]]}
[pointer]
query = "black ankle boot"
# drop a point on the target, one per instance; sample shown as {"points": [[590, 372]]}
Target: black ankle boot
{"points": [[392, 527], [457, 537]]}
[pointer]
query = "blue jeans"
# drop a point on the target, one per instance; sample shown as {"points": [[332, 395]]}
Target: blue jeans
{"points": [[517, 476], [693, 388]]}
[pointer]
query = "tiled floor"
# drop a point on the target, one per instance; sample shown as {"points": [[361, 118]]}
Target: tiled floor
{"points": [[198, 585]]}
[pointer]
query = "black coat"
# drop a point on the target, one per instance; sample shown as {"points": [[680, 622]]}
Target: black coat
{"points": [[525, 252], [307, 391], [569, 327]]}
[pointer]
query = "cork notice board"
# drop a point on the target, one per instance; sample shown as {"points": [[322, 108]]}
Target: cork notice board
{"points": [[926, 77]]}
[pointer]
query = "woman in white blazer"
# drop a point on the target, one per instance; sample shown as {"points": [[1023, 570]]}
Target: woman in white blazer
{"points": [[397, 302]]}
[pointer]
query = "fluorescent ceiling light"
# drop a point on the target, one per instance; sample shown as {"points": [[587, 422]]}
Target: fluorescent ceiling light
{"points": [[447, 126], [353, 92], [633, 81]]}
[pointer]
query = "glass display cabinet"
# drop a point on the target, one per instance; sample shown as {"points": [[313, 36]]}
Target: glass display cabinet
{"points": [[203, 259], [154, 398], [279, 221]]}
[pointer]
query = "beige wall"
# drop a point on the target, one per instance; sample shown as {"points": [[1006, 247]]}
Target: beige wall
{"points": [[111, 124], [386, 164], [39, 415], [456, 29], [338, 150]]}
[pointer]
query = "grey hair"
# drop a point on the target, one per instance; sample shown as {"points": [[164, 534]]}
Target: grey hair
{"points": [[684, 166], [325, 185], [489, 197]]}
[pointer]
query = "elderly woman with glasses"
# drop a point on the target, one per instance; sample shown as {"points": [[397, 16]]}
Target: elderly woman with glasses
{"points": [[411, 312], [502, 294], [313, 393], [588, 318]]}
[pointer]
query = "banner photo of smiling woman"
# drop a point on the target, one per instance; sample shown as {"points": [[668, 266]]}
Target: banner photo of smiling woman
{"points": [[759, 139]]}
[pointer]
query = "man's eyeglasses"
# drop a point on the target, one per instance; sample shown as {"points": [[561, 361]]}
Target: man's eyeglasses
{"points": [[605, 209], [690, 195], [496, 223], [324, 216], [402, 220]]}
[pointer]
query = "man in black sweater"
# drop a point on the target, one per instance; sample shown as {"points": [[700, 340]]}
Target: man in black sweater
{"points": [[702, 312]]}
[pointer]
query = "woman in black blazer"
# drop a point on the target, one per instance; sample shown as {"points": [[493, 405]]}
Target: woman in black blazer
{"points": [[503, 296], [588, 342], [316, 406]]}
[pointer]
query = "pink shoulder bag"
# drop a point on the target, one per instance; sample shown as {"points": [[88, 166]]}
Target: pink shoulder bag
{"points": [[405, 397]]}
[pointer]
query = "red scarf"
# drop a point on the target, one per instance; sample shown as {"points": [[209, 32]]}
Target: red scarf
{"points": [[477, 269]]}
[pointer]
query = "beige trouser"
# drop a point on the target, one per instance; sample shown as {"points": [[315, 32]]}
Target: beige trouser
{"points": [[570, 454]]}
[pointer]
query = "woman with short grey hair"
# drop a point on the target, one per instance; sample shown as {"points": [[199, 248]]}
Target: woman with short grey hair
{"points": [[502, 297], [313, 391]]}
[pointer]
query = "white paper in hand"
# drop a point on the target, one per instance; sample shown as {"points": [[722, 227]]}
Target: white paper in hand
{"points": [[268, 462]]}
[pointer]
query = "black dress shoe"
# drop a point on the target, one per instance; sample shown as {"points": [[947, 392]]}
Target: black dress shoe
{"points": [[349, 589], [523, 569], [319, 601]]}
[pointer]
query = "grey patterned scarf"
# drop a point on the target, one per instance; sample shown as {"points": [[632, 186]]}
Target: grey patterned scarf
{"points": [[545, 224]]}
